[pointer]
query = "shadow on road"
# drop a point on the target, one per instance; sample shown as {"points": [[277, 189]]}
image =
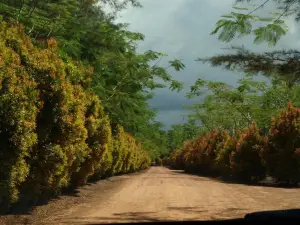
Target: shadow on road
{"points": [[188, 209], [284, 216], [198, 212], [134, 217], [116, 218], [230, 180], [26, 206]]}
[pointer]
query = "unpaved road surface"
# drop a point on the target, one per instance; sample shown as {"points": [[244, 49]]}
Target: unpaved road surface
{"points": [[160, 194]]}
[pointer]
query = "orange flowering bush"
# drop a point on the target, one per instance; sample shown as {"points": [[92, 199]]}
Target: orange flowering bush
{"points": [[193, 154], [224, 149], [245, 160], [282, 149], [204, 155], [219, 153], [216, 142]]}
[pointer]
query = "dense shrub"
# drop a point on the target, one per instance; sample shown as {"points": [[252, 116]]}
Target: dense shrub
{"points": [[224, 148], [166, 161], [158, 161], [202, 155], [177, 159], [127, 155], [193, 155], [59, 123], [216, 142], [245, 160], [118, 149], [19, 105], [98, 160], [282, 150], [53, 131], [219, 153]]}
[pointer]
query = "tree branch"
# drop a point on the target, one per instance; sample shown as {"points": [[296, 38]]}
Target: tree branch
{"points": [[262, 5]]}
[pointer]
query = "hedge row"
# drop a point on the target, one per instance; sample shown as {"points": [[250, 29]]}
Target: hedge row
{"points": [[53, 131], [248, 155]]}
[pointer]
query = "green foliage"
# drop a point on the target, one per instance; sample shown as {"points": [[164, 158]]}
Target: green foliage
{"points": [[121, 77], [158, 162], [241, 23], [53, 116], [282, 63], [177, 65], [127, 155], [179, 133], [99, 137], [19, 103], [270, 33], [234, 108], [281, 153]]}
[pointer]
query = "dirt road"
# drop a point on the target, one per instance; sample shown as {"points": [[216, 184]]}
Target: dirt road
{"points": [[163, 194]]}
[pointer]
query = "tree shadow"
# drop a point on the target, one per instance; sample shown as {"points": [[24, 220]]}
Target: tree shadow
{"points": [[116, 218], [232, 180], [133, 214], [188, 209], [278, 216], [262, 183], [136, 217], [27, 203], [26, 207]]}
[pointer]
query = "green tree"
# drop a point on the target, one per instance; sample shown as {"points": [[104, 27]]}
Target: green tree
{"points": [[234, 108], [122, 78], [283, 63], [179, 133]]}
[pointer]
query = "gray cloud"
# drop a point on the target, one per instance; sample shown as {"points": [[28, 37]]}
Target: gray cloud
{"points": [[181, 29]]}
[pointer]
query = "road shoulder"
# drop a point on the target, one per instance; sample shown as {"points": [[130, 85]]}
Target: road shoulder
{"points": [[71, 201]]}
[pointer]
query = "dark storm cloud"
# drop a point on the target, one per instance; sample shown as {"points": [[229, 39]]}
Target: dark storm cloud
{"points": [[181, 29]]}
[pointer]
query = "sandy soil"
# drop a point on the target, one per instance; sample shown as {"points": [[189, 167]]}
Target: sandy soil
{"points": [[159, 194]]}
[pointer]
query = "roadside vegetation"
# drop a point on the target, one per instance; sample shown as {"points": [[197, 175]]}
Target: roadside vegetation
{"points": [[247, 155], [248, 131]]}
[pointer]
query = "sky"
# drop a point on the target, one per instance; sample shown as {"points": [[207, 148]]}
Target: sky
{"points": [[181, 29]]}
